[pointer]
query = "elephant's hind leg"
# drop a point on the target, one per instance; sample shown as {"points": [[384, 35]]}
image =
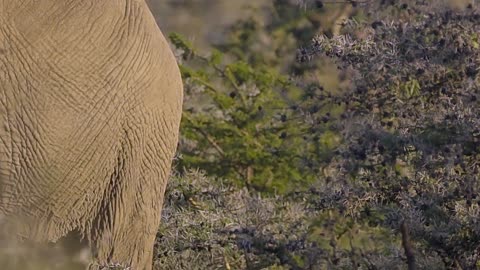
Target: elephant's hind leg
{"points": [[129, 250], [125, 229], [127, 238]]}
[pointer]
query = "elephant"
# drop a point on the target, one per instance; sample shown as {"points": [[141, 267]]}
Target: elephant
{"points": [[90, 108]]}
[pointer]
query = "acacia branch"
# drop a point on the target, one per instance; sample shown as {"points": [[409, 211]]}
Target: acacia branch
{"points": [[407, 246]]}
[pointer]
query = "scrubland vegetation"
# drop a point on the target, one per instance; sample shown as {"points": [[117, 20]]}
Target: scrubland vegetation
{"points": [[330, 136]]}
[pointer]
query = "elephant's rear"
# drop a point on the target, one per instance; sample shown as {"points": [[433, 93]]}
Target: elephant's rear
{"points": [[89, 120]]}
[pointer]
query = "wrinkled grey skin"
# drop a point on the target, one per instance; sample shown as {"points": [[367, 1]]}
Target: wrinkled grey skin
{"points": [[90, 105]]}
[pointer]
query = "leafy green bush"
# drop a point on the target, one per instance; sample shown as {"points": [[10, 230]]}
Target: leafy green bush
{"points": [[236, 123], [246, 121]]}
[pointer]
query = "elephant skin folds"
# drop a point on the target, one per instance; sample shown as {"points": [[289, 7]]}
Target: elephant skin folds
{"points": [[90, 107]]}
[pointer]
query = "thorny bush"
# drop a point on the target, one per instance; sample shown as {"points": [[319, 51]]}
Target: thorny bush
{"points": [[411, 130], [399, 183]]}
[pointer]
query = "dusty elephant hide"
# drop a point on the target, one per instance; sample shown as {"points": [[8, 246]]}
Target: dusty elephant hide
{"points": [[90, 105]]}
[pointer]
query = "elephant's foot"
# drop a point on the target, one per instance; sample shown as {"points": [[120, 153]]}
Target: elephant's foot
{"points": [[109, 266]]}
